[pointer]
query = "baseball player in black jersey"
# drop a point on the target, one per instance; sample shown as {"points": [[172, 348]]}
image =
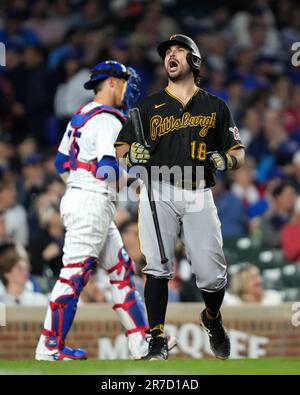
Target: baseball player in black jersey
{"points": [[186, 128]]}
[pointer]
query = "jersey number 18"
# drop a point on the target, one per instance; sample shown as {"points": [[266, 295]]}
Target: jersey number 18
{"points": [[198, 150]]}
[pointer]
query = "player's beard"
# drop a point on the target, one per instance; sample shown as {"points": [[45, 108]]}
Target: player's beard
{"points": [[181, 76]]}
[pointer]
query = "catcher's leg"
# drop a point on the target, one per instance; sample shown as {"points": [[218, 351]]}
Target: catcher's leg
{"points": [[61, 312], [86, 216], [127, 301]]}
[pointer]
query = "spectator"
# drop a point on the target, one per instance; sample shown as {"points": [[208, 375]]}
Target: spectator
{"points": [[256, 27], [13, 113], [284, 197], [93, 15], [255, 141], [246, 286], [280, 100], [49, 27], [32, 182], [14, 214], [14, 274], [243, 185], [4, 237], [27, 148], [129, 234], [69, 95], [295, 174], [74, 45], [290, 236], [6, 153], [230, 210], [6, 103], [216, 85], [14, 33], [46, 248], [37, 79], [236, 101]]}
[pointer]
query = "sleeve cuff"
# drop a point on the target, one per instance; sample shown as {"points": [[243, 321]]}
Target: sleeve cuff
{"points": [[116, 143], [235, 147]]}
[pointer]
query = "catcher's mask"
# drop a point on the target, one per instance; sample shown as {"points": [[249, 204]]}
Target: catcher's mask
{"points": [[132, 91], [193, 57]]}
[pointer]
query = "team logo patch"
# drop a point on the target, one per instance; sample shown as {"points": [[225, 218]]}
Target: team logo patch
{"points": [[235, 133], [159, 105], [51, 342]]}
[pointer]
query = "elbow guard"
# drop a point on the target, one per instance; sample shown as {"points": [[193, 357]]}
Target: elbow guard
{"points": [[108, 169], [61, 162]]}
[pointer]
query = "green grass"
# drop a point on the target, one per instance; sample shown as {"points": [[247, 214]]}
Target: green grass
{"points": [[173, 366]]}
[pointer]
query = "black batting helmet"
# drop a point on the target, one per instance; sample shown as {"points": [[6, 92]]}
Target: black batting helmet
{"points": [[193, 57]]}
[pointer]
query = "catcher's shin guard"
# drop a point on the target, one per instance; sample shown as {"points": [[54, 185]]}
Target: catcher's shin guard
{"points": [[62, 309], [128, 304]]}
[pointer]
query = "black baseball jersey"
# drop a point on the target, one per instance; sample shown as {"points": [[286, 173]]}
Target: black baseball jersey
{"points": [[181, 134]]}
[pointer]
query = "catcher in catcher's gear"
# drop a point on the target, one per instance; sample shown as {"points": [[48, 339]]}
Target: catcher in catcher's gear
{"points": [[189, 128]]}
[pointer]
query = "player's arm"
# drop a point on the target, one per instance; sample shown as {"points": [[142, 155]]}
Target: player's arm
{"points": [[108, 168], [121, 151], [64, 176], [128, 151], [230, 152], [239, 155], [123, 141], [61, 162]]}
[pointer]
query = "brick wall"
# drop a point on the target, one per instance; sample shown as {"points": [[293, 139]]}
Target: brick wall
{"points": [[254, 331]]}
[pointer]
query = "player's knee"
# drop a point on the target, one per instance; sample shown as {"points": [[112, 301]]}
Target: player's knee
{"points": [[211, 284], [150, 278], [158, 270], [76, 275]]}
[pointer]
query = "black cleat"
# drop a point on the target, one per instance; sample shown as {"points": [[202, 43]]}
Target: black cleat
{"points": [[218, 338], [158, 349]]}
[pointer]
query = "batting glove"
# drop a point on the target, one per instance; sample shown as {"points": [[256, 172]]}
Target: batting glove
{"points": [[137, 155], [221, 160]]}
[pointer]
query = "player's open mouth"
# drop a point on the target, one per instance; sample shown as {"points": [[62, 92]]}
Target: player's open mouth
{"points": [[173, 64]]}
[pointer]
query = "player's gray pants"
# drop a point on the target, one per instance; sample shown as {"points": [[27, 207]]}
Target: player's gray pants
{"points": [[192, 216]]}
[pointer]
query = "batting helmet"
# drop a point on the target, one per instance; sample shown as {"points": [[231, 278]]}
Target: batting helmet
{"points": [[103, 70], [193, 57]]}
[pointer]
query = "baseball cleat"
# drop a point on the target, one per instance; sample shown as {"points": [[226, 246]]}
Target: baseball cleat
{"points": [[64, 354], [218, 338], [138, 353], [172, 342], [158, 349]]}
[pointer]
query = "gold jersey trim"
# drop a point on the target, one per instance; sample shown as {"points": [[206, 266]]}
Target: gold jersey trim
{"points": [[120, 143], [235, 147], [177, 98]]}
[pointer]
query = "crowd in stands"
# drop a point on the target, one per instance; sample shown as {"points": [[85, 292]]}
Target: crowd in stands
{"points": [[247, 61]]}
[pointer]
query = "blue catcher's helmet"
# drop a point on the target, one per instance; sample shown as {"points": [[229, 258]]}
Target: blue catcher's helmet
{"points": [[132, 91], [103, 70]]}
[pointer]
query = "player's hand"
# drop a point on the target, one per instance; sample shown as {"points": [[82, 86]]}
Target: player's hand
{"points": [[137, 155], [221, 160]]}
